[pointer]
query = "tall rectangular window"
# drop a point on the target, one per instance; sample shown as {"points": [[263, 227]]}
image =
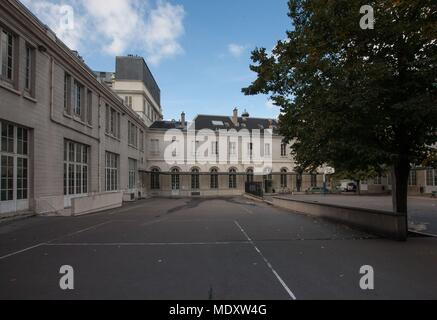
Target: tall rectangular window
{"points": [[111, 171], [128, 101], [75, 168], [7, 55], [132, 173], [29, 68], [232, 148], [283, 150], [67, 93], [154, 146], [314, 180], [132, 134], [13, 162], [412, 180], [141, 140], [78, 99], [267, 150], [89, 108], [112, 122]]}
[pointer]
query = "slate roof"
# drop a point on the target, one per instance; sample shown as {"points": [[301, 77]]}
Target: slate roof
{"points": [[207, 122]]}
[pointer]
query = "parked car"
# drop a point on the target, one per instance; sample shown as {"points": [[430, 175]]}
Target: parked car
{"points": [[348, 187], [317, 190]]}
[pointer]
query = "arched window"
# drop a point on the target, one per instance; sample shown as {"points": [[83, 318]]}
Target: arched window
{"points": [[195, 183], [154, 179], [249, 175], [214, 178], [175, 179], [232, 178], [284, 183]]}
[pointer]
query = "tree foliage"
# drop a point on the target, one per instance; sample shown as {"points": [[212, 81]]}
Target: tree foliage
{"points": [[351, 98]]}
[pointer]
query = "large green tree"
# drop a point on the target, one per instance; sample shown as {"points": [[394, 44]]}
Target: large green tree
{"points": [[351, 98]]}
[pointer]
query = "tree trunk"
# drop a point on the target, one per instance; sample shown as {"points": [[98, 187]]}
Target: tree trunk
{"points": [[400, 174]]}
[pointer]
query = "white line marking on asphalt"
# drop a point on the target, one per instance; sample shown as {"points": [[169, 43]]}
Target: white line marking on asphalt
{"points": [[23, 250], [145, 244], [48, 242], [269, 265]]}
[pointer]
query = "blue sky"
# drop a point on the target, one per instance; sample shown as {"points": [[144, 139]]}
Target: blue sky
{"points": [[198, 50]]}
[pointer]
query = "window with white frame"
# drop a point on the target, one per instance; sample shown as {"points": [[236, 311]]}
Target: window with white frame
{"points": [[29, 76], [14, 162], [232, 148], [377, 180], [141, 140], [112, 122], [412, 179], [111, 171], [128, 101], [7, 49], [267, 152], [431, 177], [154, 179], [195, 179], [232, 178], [214, 148], [132, 134], [214, 179], [67, 93], [313, 180], [175, 179], [78, 99], [132, 173], [249, 175], [284, 183], [154, 146], [75, 168], [89, 108], [283, 150]]}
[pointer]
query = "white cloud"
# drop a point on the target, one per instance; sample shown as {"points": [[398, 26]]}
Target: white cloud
{"points": [[270, 105], [118, 27], [236, 50]]}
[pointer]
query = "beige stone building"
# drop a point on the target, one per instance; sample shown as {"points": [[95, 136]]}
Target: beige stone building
{"points": [[64, 135]]}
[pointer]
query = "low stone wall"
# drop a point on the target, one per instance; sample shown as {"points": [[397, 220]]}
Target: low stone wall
{"points": [[96, 202], [381, 223]]}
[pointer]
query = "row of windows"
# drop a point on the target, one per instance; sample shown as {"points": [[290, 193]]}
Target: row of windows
{"points": [[214, 181], [232, 148], [8, 60], [148, 110]]}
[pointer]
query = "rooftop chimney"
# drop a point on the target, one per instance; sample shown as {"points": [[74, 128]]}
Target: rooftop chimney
{"points": [[183, 120], [235, 117]]}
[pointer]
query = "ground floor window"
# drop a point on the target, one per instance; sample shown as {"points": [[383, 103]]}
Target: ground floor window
{"points": [[314, 180], [154, 179], [249, 176], [412, 180], [111, 170], [75, 168], [14, 162], [214, 179], [284, 178], [232, 179], [175, 179], [132, 173], [195, 181], [431, 177]]}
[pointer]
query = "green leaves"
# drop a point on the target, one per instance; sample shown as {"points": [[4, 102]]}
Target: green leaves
{"points": [[352, 98]]}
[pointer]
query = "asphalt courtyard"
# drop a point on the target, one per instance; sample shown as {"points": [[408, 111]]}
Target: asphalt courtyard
{"points": [[217, 249]]}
